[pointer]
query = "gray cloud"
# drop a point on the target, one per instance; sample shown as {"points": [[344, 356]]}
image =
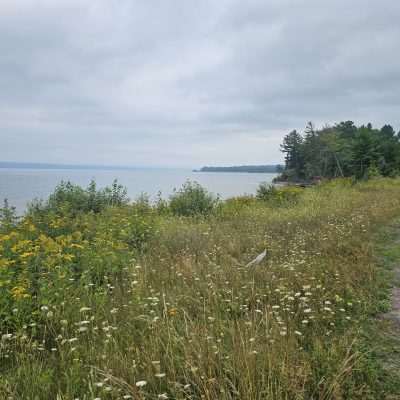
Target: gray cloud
{"points": [[189, 83]]}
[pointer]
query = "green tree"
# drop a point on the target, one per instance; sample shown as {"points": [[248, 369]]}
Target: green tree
{"points": [[343, 150], [294, 160], [365, 152]]}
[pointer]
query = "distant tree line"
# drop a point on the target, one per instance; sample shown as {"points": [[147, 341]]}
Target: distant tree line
{"points": [[342, 150], [243, 168]]}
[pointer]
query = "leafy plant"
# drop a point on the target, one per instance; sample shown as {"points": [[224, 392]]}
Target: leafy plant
{"points": [[278, 196], [191, 200], [70, 198], [8, 216]]}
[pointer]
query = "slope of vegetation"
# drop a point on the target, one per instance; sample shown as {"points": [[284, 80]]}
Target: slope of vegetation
{"points": [[343, 150], [101, 299]]}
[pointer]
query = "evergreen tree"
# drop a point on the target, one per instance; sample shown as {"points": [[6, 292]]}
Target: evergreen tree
{"points": [[343, 150], [294, 161]]}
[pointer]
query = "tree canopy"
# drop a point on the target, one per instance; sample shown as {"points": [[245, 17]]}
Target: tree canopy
{"points": [[342, 150]]}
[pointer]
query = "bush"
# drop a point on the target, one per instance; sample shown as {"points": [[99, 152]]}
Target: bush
{"points": [[69, 198], [192, 199], [8, 216], [235, 205], [278, 196]]}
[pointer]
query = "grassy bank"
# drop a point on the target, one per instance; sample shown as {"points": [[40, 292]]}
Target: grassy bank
{"points": [[137, 301]]}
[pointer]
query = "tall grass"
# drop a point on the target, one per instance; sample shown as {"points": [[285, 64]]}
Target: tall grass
{"points": [[133, 303]]}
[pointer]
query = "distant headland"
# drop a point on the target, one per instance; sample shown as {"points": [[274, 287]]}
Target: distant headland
{"points": [[243, 168]]}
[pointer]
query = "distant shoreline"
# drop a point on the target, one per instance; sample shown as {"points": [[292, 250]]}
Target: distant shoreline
{"points": [[243, 168], [26, 165]]}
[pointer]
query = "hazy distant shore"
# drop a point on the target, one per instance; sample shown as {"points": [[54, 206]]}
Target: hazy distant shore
{"points": [[243, 168]]}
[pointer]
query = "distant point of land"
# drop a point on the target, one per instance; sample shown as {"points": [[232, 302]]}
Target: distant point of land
{"points": [[243, 168]]}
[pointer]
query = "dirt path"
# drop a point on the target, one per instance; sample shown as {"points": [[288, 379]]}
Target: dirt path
{"points": [[394, 314], [388, 352]]}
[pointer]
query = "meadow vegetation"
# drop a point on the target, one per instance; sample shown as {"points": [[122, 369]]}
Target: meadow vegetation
{"points": [[105, 299]]}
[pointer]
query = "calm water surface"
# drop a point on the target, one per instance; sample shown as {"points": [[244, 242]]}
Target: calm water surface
{"points": [[20, 186]]}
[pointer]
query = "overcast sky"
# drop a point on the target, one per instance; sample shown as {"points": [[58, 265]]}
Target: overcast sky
{"points": [[189, 83]]}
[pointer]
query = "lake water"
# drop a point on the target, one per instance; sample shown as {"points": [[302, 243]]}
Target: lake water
{"points": [[20, 186]]}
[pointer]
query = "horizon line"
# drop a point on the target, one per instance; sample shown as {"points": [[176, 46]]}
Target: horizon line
{"points": [[47, 165]]}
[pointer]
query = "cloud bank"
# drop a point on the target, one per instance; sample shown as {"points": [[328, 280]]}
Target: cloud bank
{"points": [[188, 83]]}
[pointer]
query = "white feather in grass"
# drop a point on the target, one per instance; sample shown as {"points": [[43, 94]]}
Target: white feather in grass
{"points": [[257, 260]]}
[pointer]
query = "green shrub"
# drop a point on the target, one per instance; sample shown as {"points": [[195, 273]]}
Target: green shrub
{"points": [[192, 199], [69, 198], [278, 196], [235, 205], [8, 216], [373, 172]]}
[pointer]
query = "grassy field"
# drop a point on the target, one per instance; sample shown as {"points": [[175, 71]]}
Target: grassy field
{"points": [[137, 302]]}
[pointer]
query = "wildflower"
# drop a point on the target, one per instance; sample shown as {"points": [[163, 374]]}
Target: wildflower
{"points": [[140, 384], [19, 292], [298, 333], [160, 375], [83, 309], [172, 312], [163, 396]]}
